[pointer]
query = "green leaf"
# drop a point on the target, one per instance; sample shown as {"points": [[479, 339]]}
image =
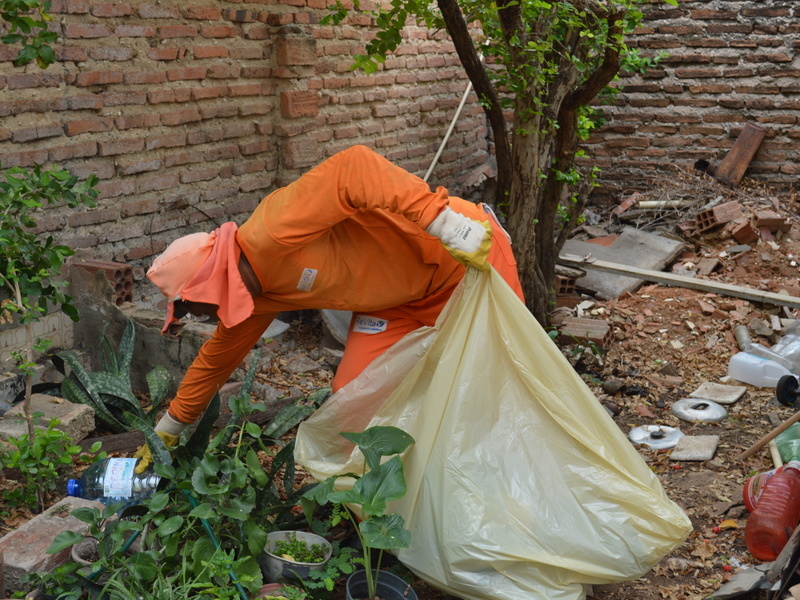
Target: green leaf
{"points": [[85, 514], [142, 566], [376, 489], [202, 511], [256, 537], [158, 502], [170, 526], [385, 532], [158, 382], [64, 540], [158, 450], [198, 442], [379, 441]]}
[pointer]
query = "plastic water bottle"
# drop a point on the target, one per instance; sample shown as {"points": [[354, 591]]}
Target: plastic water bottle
{"points": [[114, 480], [756, 370], [775, 515]]}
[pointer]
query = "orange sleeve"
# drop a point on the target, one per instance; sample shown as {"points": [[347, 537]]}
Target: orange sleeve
{"points": [[215, 362], [350, 181]]}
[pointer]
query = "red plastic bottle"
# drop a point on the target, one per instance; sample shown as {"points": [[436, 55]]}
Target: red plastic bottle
{"points": [[775, 515]]}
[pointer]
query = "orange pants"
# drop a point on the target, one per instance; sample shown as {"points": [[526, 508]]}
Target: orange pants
{"points": [[363, 347]]}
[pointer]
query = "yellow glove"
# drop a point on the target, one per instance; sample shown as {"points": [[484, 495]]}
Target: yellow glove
{"points": [[468, 241], [169, 430]]}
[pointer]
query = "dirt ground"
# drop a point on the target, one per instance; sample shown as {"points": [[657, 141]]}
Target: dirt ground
{"points": [[667, 342]]}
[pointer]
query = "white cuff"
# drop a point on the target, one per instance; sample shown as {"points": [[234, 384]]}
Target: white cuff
{"points": [[169, 425]]}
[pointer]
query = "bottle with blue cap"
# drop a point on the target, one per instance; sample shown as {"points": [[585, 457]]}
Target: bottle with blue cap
{"points": [[113, 480]]}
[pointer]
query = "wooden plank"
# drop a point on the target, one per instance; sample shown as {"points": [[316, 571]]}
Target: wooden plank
{"points": [[724, 289], [732, 168]]}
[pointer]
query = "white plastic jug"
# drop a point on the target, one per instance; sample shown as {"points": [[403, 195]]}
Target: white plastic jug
{"points": [[755, 370]]}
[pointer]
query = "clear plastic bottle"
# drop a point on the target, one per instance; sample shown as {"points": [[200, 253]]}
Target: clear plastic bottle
{"points": [[114, 480], [776, 514]]}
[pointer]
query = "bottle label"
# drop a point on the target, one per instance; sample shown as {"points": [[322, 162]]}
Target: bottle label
{"points": [[118, 480], [755, 486]]}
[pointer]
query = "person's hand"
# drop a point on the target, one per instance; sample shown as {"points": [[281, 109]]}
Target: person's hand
{"points": [[169, 430], [468, 241], [143, 453]]}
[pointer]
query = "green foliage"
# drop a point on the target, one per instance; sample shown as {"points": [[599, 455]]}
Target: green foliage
{"points": [[381, 482], [322, 581], [29, 265], [27, 21], [64, 581], [202, 531], [40, 464], [300, 551], [109, 392]]}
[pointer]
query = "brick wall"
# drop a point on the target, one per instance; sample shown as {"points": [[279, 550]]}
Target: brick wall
{"points": [[190, 114], [730, 62]]}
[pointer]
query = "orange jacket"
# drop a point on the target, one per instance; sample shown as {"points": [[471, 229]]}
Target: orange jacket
{"points": [[347, 235]]}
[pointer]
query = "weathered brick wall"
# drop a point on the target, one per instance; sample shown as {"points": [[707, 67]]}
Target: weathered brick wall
{"points": [[730, 62], [190, 114]]}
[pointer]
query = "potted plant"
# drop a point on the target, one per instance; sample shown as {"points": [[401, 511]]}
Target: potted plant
{"points": [[293, 554], [365, 504]]}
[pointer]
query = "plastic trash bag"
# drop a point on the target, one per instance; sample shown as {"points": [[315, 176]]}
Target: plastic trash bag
{"points": [[520, 485]]}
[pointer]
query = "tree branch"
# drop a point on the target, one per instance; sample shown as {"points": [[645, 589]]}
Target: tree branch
{"points": [[459, 33]]}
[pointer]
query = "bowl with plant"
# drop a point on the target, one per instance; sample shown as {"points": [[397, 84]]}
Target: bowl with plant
{"points": [[291, 555], [365, 504]]}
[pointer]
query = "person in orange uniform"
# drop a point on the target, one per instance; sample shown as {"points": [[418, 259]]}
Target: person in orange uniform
{"points": [[356, 233]]}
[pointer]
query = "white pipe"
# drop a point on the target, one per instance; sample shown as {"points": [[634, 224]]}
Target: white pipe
{"points": [[449, 131]]}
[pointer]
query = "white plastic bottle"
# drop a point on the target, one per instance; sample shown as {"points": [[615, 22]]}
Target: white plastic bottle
{"points": [[756, 370], [114, 480]]}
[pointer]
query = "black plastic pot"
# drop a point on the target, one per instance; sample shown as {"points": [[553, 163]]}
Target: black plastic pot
{"points": [[390, 587]]}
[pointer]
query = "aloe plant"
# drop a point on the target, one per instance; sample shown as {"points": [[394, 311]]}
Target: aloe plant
{"points": [[109, 392]]}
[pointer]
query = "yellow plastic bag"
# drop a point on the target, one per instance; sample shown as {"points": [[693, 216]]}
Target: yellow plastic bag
{"points": [[520, 486]]}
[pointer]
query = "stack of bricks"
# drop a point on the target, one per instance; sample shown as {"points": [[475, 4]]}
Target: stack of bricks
{"points": [[119, 275], [586, 331], [565, 291]]}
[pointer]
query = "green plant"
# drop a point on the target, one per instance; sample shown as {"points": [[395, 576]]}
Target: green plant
{"points": [[210, 517], [322, 581], [379, 483], [64, 581], [299, 551], [40, 463], [30, 266], [109, 392]]}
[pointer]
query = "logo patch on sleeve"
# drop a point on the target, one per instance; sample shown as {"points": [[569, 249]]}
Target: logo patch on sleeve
{"points": [[365, 324], [307, 280]]}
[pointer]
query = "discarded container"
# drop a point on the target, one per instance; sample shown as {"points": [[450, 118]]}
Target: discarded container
{"points": [[754, 486], [775, 515], [788, 443], [756, 370], [114, 480], [655, 436], [695, 409], [786, 390]]}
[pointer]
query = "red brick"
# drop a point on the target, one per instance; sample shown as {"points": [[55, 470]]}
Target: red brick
{"points": [[98, 78], [203, 13], [162, 182], [293, 51], [199, 175], [94, 124], [37, 133], [224, 72], [165, 53], [239, 16], [32, 80], [125, 146], [224, 153], [71, 54], [219, 111], [23, 159], [297, 104], [156, 11], [246, 89], [86, 31], [186, 158], [258, 108], [115, 53], [210, 52], [175, 31], [115, 9], [136, 121], [124, 98], [188, 73], [180, 117], [93, 217], [139, 166], [166, 141], [135, 31], [145, 78], [219, 31], [113, 189], [247, 53], [258, 33], [215, 91], [74, 7]]}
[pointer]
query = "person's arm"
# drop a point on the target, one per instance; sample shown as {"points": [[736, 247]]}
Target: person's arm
{"points": [[215, 362]]}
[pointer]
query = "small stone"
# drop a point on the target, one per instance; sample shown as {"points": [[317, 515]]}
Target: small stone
{"points": [[613, 386]]}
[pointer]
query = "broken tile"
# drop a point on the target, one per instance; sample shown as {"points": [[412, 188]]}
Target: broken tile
{"points": [[718, 392], [695, 447]]}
